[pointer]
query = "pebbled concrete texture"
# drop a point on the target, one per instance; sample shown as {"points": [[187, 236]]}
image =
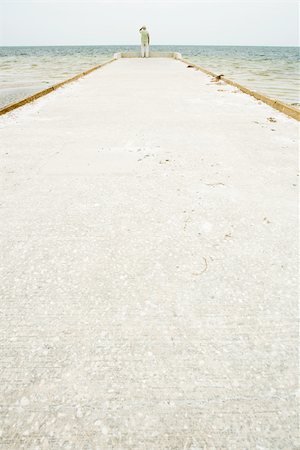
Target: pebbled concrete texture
{"points": [[148, 266]]}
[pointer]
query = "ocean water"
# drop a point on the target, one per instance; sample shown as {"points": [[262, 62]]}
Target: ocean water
{"points": [[273, 71]]}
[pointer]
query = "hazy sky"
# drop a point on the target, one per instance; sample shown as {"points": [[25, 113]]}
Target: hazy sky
{"points": [[214, 22]]}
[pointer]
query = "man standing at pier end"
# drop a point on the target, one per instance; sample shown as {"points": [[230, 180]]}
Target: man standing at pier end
{"points": [[145, 42]]}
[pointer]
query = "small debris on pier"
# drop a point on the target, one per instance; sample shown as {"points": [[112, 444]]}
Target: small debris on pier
{"points": [[204, 269], [217, 78], [214, 184]]}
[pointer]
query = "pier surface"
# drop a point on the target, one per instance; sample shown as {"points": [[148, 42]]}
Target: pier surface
{"points": [[148, 266]]}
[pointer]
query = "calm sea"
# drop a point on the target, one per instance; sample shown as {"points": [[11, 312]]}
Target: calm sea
{"points": [[273, 71]]}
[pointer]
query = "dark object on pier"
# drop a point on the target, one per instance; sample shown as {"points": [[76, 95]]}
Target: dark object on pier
{"points": [[217, 78]]}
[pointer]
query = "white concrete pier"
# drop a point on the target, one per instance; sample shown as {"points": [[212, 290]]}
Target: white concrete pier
{"points": [[148, 266]]}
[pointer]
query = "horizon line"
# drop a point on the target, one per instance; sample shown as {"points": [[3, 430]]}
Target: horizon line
{"points": [[151, 45]]}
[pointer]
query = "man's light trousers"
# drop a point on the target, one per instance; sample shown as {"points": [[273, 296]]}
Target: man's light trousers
{"points": [[145, 50]]}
